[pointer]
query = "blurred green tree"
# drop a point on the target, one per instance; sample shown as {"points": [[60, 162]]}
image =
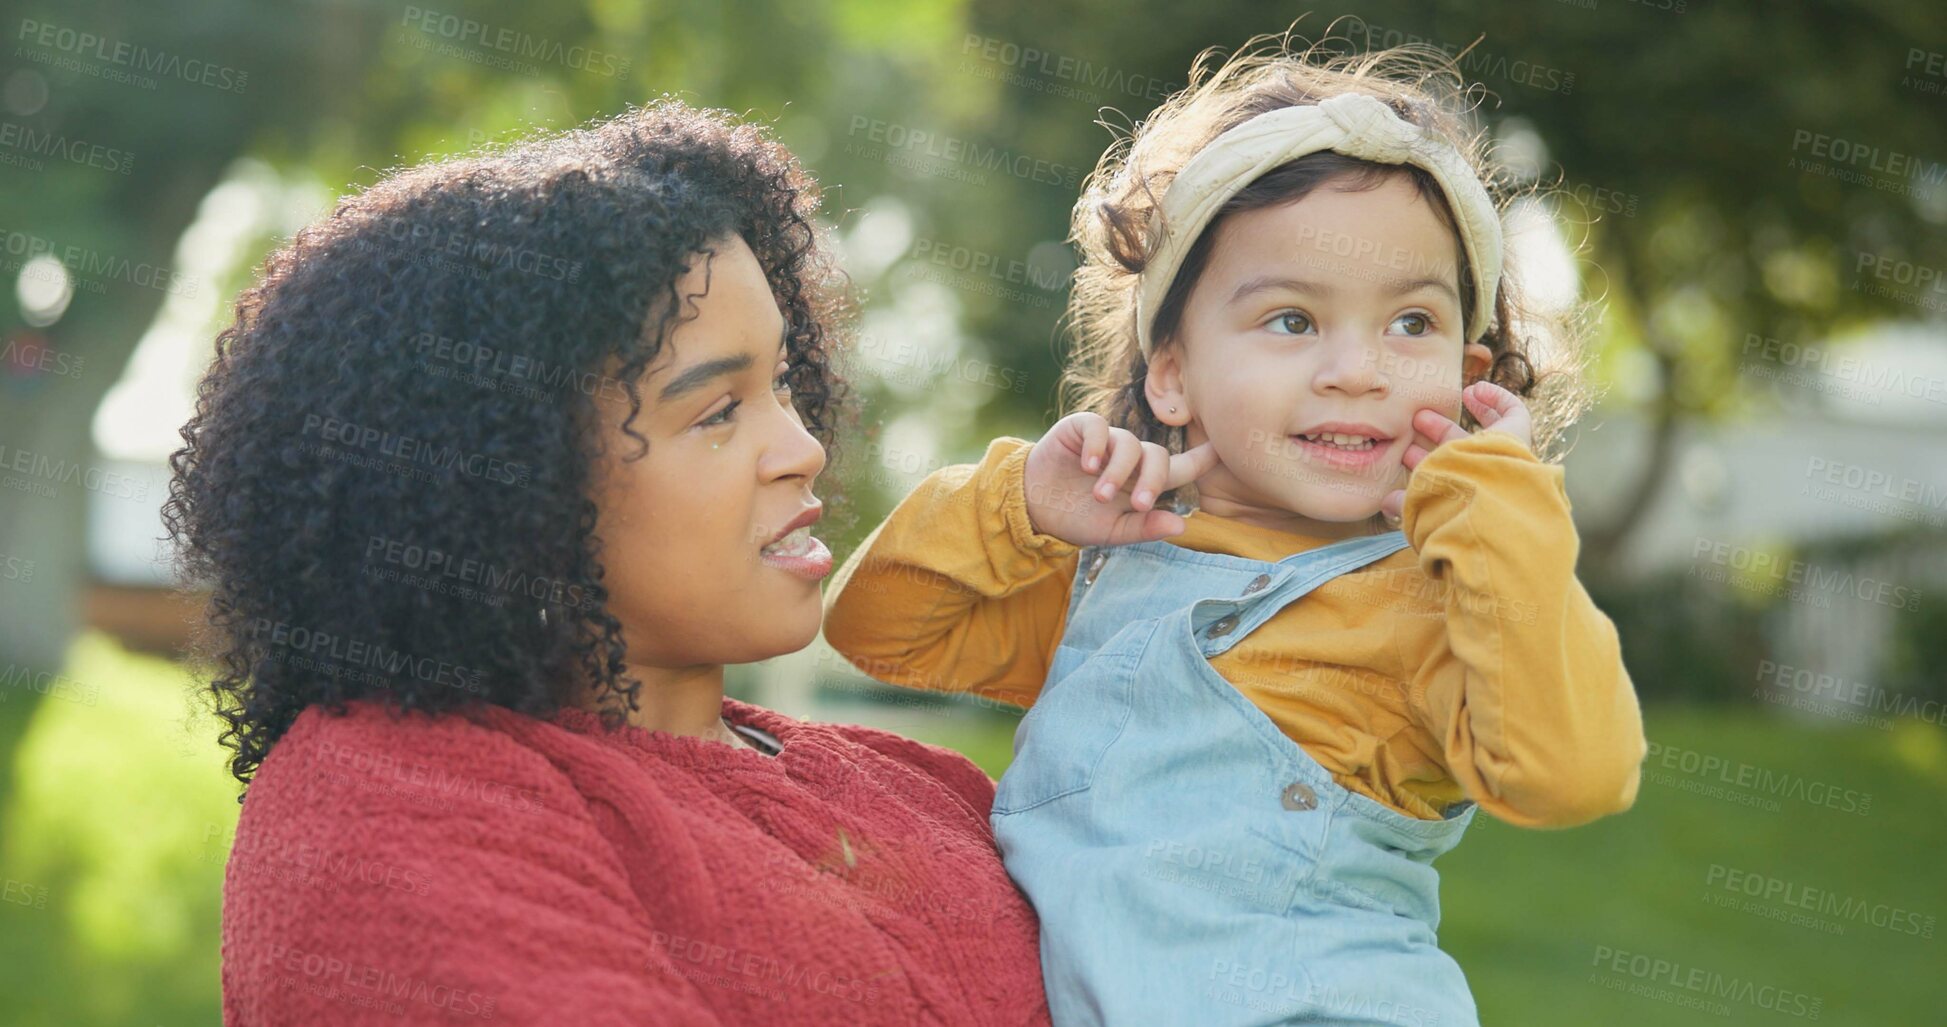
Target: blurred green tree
{"points": [[1681, 136]]}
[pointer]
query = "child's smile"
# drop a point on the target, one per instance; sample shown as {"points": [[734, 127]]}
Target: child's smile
{"points": [[1348, 447]]}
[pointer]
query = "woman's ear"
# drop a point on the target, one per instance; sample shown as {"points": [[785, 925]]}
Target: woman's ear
{"points": [[1474, 362], [1163, 386]]}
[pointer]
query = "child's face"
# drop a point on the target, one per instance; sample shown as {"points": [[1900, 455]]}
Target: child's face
{"points": [[1340, 310]]}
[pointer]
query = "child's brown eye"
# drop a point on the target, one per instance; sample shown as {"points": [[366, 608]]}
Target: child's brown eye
{"points": [[1422, 323], [1293, 323]]}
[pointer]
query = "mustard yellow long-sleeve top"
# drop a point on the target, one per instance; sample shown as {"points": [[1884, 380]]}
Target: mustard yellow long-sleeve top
{"points": [[1471, 665]]}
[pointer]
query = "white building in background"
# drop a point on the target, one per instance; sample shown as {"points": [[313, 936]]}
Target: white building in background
{"points": [[137, 425], [1857, 449], [1840, 458]]}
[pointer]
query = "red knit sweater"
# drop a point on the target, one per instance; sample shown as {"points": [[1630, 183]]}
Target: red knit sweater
{"points": [[497, 868]]}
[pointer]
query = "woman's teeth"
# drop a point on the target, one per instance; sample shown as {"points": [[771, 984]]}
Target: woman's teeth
{"points": [[1354, 442], [798, 543]]}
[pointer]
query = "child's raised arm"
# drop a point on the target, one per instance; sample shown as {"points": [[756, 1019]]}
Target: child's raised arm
{"points": [[965, 587], [956, 591], [1529, 698]]}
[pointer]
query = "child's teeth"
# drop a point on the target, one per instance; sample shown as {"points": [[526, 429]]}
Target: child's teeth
{"points": [[1342, 441]]}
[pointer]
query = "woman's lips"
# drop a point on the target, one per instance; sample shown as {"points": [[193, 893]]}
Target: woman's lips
{"points": [[801, 553]]}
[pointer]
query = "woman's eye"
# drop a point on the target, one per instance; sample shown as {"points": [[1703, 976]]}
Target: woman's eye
{"points": [[721, 416], [1421, 322], [1291, 322]]}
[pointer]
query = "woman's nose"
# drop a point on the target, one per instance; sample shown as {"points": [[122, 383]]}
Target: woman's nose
{"points": [[795, 452]]}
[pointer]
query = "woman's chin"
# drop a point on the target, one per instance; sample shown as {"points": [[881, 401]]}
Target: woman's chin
{"points": [[784, 632]]}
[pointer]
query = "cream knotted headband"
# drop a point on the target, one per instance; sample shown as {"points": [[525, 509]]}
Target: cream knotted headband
{"points": [[1353, 124]]}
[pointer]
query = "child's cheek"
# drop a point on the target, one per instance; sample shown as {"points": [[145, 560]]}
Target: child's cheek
{"points": [[1255, 448], [1442, 396]]}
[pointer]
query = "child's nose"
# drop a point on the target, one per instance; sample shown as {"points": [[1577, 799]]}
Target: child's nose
{"points": [[1351, 367]]}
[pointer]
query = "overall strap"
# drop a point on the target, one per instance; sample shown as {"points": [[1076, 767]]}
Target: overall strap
{"points": [[1220, 623]]}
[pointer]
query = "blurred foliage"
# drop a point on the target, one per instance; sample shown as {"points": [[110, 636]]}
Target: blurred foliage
{"points": [[117, 825], [1697, 641], [1690, 121], [1683, 639]]}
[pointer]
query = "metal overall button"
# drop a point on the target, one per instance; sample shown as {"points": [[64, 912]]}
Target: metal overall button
{"points": [[1299, 796], [1257, 584], [1095, 566], [1222, 625]]}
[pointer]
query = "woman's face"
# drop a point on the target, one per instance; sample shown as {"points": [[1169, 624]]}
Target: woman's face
{"points": [[729, 468]]}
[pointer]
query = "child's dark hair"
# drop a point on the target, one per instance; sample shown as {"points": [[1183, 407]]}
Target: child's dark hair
{"points": [[473, 306], [1112, 224]]}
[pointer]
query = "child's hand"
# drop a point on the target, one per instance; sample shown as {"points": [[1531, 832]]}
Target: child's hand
{"points": [[1494, 407], [1076, 479]]}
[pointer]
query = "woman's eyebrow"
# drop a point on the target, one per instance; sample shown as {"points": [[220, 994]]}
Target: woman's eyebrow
{"points": [[697, 376]]}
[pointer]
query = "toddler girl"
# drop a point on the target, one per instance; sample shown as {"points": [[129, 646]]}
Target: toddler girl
{"points": [[1262, 704]]}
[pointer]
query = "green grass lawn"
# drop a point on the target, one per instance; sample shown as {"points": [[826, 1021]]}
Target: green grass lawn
{"points": [[1528, 913], [115, 814]]}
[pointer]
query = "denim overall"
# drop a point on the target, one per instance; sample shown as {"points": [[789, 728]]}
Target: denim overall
{"points": [[1191, 865]]}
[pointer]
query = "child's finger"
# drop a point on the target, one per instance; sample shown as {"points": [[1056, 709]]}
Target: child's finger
{"points": [[1161, 524], [1125, 452], [1438, 427], [1393, 505], [1191, 464], [1486, 415], [1488, 402], [1146, 526], [1150, 477], [1095, 441]]}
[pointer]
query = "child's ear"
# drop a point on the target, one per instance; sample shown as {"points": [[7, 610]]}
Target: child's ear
{"points": [[1163, 386], [1474, 362]]}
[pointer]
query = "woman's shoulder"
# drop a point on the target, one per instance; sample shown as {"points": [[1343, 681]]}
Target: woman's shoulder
{"points": [[371, 755], [370, 793], [369, 759], [432, 864], [896, 756]]}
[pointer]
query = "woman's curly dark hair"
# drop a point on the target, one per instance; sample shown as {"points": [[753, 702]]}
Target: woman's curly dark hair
{"points": [[386, 482]]}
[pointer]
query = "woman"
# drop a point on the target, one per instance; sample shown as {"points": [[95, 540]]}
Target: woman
{"points": [[500, 464]]}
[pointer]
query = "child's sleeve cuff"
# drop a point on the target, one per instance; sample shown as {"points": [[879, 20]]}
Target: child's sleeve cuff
{"points": [[1012, 471]]}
